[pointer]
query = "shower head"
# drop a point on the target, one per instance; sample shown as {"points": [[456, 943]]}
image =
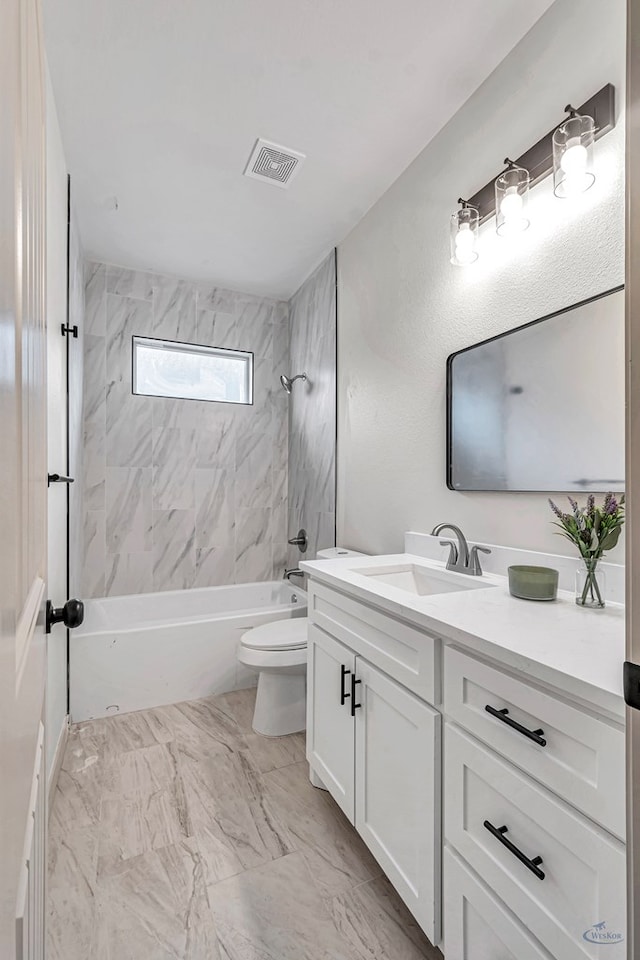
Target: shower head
{"points": [[287, 382]]}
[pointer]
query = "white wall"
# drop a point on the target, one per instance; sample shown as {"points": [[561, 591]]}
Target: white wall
{"points": [[402, 308], [56, 172]]}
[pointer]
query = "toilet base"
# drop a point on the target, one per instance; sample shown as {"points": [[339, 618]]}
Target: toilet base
{"points": [[281, 703]]}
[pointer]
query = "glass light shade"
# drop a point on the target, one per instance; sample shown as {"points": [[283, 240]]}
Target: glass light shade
{"points": [[573, 156], [464, 236], [512, 196]]}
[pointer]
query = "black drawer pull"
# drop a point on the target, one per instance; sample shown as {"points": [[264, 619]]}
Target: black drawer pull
{"points": [[499, 834], [354, 706], [344, 673], [535, 735]]}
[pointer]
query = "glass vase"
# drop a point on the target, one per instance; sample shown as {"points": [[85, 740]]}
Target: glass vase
{"points": [[590, 585]]}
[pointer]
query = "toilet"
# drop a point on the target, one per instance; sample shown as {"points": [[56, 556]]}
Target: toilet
{"points": [[278, 652]]}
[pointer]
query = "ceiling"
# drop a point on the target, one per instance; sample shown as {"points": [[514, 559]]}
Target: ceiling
{"points": [[160, 103]]}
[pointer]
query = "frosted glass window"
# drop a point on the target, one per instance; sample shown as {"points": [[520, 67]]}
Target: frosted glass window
{"points": [[187, 371]]}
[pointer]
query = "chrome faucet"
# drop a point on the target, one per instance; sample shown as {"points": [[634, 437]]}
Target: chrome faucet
{"points": [[461, 559], [293, 572]]}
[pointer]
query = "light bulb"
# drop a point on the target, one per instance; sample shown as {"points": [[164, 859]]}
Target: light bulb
{"points": [[511, 205], [465, 244], [574, 159]]}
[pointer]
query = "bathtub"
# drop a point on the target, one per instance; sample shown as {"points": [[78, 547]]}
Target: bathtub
{"points": [[157, 648]]}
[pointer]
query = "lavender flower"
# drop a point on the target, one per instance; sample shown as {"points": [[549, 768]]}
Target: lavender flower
{"points": [[555, 509]]}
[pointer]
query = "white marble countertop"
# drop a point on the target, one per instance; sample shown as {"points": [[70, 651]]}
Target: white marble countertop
{"points": [[579, 651]]}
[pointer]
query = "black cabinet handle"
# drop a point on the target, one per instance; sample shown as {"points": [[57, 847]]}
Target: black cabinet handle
{"points": [[344, 673], [354, 706], [499, 834], [503, 715]]}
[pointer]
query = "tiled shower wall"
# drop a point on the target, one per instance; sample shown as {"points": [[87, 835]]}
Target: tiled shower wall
{"points": [[312, 425], [180, 493]]}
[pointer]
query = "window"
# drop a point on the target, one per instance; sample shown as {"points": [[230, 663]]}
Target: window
{"points": [[188, 371]]}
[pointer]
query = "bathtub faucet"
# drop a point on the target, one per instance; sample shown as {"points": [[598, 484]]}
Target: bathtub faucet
{"points": [[293, 572]]}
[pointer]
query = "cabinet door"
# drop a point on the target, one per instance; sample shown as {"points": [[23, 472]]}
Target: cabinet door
{"points": [[398, 790], [330, 726]]}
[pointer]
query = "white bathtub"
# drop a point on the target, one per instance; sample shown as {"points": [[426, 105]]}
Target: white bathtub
{"points": [[157, 648]]}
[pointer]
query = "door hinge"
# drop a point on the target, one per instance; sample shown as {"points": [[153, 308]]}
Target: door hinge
{"points": [[631, 684], [64, 330]]}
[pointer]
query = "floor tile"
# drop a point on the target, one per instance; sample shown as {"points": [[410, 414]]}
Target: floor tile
{"points": [[72, 885], [235, 824], [179, 833], [155, 907], [201, 728], [274, 912], [268, 752], [378, 925], [337, 857]]}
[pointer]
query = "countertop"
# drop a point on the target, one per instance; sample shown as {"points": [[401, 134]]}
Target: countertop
{"points": [[578, 651]]}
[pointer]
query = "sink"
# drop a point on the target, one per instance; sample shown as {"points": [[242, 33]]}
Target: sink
{"points": [[422, 581]]}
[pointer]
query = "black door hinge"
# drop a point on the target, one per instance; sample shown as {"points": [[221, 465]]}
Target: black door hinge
{"points": [[64, 329], [631, 684]]}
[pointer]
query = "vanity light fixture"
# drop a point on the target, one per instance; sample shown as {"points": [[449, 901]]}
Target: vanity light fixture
{"points": [[464, 234], [566, 151], [512, 195], [573, 154]]}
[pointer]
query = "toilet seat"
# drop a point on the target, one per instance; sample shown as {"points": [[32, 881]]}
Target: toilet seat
{"points": [[282, 635]]}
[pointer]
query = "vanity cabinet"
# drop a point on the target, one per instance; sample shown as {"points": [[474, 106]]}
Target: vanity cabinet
{"points": [[376, 748], [531, 858]]}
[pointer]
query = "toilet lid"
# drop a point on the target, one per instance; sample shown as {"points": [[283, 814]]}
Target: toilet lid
{"points": [[288, 634]]}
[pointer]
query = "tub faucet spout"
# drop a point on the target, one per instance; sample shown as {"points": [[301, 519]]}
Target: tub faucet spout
{"points": [[293, 572]]}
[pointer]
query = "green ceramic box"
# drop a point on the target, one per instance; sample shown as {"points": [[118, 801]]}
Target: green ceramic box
{"points": [[533, 583]]}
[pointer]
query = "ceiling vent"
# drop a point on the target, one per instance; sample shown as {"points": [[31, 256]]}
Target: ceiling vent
{"points": [[273, 163]]}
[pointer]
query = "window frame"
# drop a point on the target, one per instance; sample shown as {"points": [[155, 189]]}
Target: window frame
{"points": [[202, 347]]}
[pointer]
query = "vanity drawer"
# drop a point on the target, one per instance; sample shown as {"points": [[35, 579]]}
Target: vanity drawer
{"points": [[402, 652], [583, 757], [562, 876], [477, 926]]}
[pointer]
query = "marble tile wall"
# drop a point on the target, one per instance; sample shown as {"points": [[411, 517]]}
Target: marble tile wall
{"points": [[312, 418], [180, 493]]}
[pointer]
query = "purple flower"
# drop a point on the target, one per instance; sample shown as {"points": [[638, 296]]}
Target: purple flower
{"points": [[555, 509], [574, 507], [591, 504], [611, 507]]}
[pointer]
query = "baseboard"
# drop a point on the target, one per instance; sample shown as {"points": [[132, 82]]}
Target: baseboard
{"points": [[57, 762]]}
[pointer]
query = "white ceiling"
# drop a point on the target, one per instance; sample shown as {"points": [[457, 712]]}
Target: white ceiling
{"points": [[161, 101]]}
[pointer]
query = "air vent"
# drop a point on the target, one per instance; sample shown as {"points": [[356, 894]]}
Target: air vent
{"points": [[273, 163]]}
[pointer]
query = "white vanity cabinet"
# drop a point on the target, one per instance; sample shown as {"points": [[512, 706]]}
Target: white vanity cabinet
{"points": [[409, 731], [376, 747], [523, 768]]}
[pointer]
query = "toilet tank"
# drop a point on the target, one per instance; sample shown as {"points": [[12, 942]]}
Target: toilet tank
{"points": [[335, 553]]}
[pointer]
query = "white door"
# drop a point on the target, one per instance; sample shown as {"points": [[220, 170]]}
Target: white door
{"points": [[23, 483], [632, 286], [398, 790], [57, 454], [330, 725]]}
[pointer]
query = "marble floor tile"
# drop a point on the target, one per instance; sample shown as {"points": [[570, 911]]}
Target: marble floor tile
{"points": [[235, 825], [155, 907], [269, 753], [378, 925], [72, 887], [177, 833], [131, 827], [336, 855], [274, 912]]}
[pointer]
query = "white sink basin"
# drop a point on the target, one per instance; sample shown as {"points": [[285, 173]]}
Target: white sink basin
{"points": [[422, 581]]}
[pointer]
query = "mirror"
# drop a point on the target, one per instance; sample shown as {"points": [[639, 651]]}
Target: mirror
{"points": [[542, 408]]}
